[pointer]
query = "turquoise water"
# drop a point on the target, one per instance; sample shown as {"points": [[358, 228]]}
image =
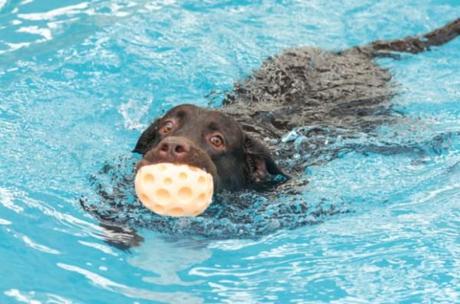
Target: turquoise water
{"points": [[80, 80]]}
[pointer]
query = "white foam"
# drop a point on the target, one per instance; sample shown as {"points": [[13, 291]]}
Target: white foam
{"points": [[44, 32], [67, 10], [133, 111]]}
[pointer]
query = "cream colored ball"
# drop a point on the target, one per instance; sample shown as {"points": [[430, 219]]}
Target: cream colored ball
{"points": [[173, 189]]}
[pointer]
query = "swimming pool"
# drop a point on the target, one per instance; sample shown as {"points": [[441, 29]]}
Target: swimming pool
{"points": [[79, 80]]}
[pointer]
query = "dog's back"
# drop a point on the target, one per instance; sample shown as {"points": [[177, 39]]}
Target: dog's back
{"points": [[309, 86], [343, 92]]}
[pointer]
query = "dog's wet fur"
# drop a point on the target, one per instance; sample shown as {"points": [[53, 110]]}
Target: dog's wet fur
{"points": [[241, 144]]}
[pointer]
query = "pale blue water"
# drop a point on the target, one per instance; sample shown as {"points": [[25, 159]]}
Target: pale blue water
{"points": [[79, 81]]}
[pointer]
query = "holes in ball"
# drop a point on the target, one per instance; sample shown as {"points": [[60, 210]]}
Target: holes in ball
{"points": [[144, 198], [162, 167], [163, 194], [158, 208], [202, 198], [167, 181], [183, 175], [176, 211], [193, 168], [185, 193], [201, 179], [149, 178]]}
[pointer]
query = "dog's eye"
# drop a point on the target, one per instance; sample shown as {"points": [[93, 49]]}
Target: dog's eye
{"points": [[217, 141], [167, 127]]}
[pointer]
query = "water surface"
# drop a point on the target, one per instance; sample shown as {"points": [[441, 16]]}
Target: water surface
{"points": [[80, 80]]}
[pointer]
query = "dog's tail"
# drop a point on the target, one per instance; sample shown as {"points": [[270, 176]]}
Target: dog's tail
{"points": [[413, 44]]}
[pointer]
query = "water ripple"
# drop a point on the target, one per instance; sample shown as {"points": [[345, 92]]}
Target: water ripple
{"points": [[80, 79], [98, 280]]}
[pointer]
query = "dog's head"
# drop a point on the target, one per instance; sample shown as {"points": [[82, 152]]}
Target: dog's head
{"points": [[210, 140]]}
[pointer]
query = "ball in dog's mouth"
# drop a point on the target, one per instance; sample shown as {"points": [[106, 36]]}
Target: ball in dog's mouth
{"points": [[174, 189]]}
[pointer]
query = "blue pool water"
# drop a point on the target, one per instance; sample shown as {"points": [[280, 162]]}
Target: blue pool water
{"points": [[80, 80]]}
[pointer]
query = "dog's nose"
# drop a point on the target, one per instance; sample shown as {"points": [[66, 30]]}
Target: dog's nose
{"points": [[177, 148]]}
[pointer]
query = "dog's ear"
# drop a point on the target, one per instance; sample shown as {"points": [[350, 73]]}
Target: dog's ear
{"points": [[147, 138], [259, 160]]}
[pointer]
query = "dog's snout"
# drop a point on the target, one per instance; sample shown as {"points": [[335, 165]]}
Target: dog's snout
{"points": [[179, 150], [176, 148]]}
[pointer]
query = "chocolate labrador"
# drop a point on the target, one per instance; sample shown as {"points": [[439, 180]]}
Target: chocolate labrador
{"points": [[309, 93], [343, 90]]}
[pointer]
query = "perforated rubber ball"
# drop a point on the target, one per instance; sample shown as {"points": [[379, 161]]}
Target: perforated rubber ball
{"points": [[174, 190]]}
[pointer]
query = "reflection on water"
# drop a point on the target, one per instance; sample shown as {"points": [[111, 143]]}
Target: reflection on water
{"points": [[166, 259]]}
